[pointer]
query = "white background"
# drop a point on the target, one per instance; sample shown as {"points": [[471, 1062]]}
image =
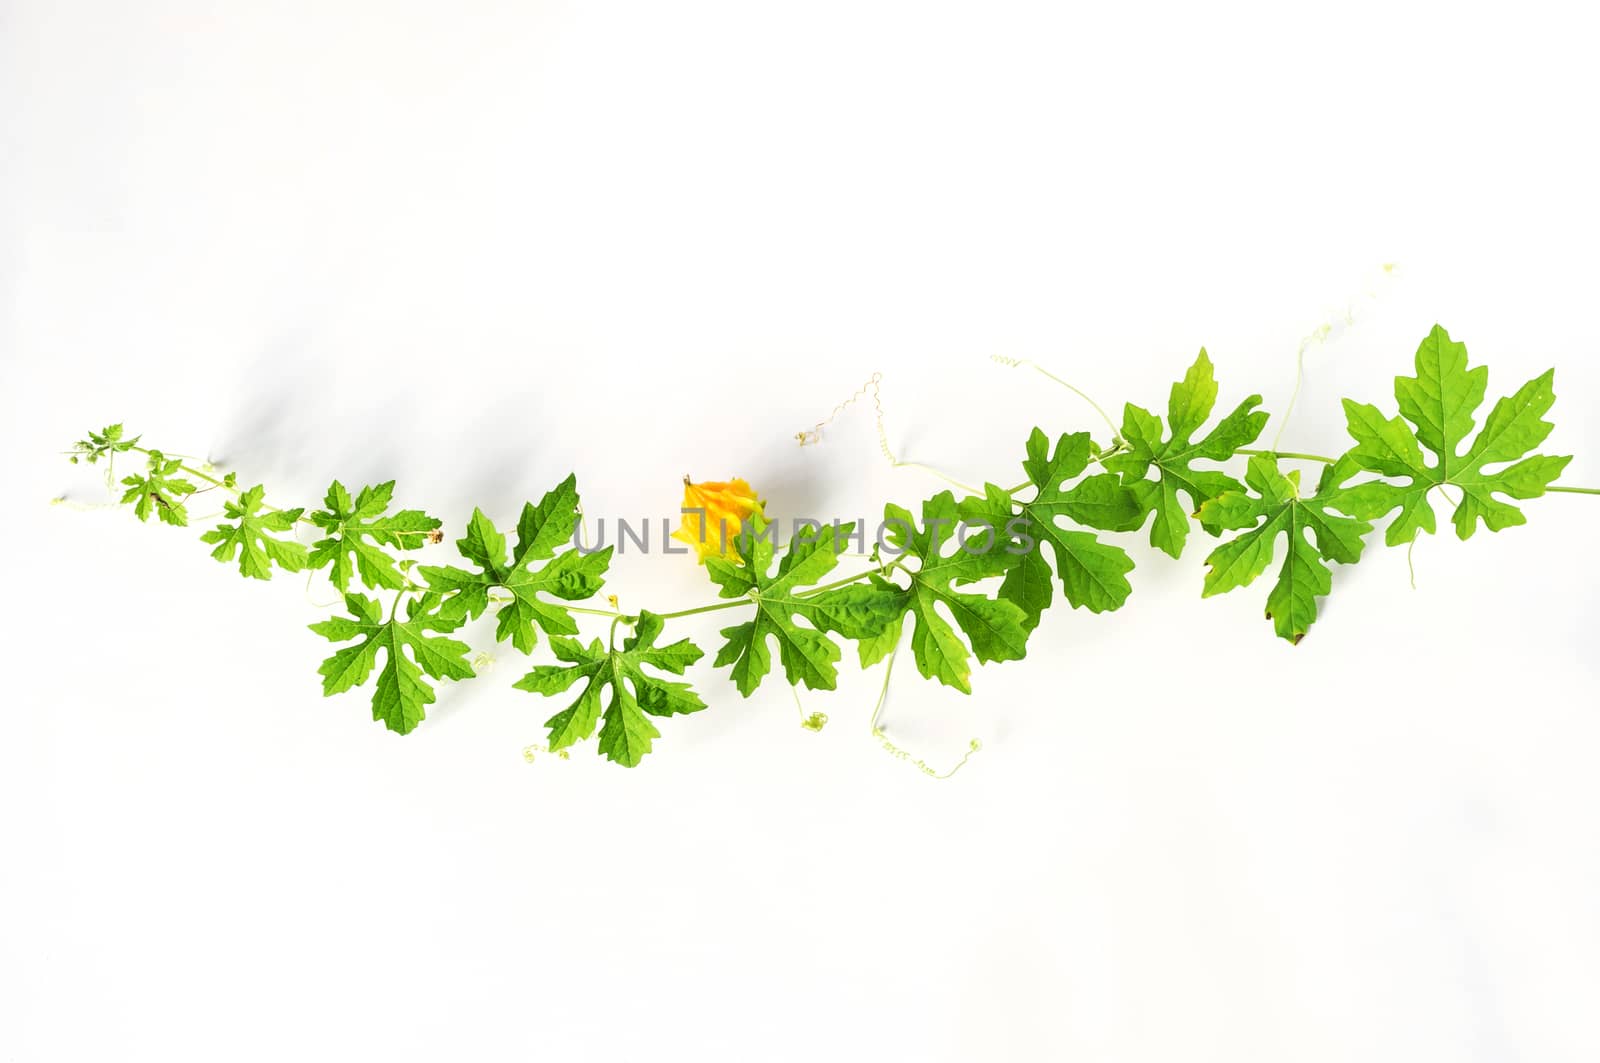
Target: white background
{"points": [[476, 246]]}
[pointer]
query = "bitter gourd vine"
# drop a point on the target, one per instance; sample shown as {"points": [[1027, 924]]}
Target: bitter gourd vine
{"points": [[1078, 495]]}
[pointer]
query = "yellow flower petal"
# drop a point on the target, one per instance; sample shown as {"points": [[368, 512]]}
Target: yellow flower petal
{"points": [[721, 508]]}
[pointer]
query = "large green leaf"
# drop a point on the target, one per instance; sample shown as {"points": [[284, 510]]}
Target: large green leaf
{"points": [[401, 694], [626, 732], [1093, 573], [1441, 403], [807, 653], [571, 575], [1172, 458], [995, 627], [1273, 507], [358, 530]]}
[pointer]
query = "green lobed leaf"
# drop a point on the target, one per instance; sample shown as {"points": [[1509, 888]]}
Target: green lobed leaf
{"points": [[995, 627], [626, 732], [358, 530], [252, 538], [159, 490], [807, 653], [1441, 404], [1172, 458], [571, 576], [401, 695], [1275, 508], [105, 443], [1093, 573]]}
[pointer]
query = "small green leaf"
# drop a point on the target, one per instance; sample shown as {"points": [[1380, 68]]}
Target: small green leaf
{"points": [[159, 490], [104, 443]]}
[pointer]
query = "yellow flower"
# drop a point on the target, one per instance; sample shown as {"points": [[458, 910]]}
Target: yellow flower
{"points": [[720, 512]]}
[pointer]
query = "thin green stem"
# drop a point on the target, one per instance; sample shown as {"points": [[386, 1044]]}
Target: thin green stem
{"points": [[1290, 454], [1042, 371], [952, 481], [712, 608], [973, 746], [1084, 395], [1329, 461], [609, 613], [858, 577], [614, 613], [1324, 459], [1294, 396], [735, 603], [811, 721], [213, 481], [190, 469], [883, 693]]}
